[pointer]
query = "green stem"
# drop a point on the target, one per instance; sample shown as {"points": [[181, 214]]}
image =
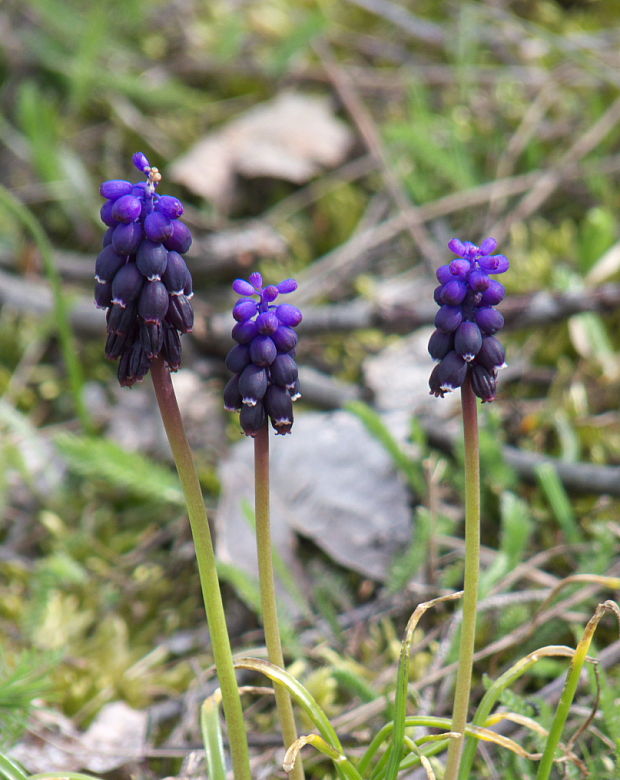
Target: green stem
{"points": [[61, 314], [268, 590], [205, 558], [472, 566]]}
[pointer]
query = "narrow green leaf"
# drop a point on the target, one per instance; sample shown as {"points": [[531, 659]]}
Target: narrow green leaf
{"points": [[210, 726]]}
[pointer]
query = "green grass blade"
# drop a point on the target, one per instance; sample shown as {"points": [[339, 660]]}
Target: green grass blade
{"points": [[61, 313], [570, 688], [102, 459], [11, 770], [302, 696], [212, 736], [377, 428], [559, 502]]}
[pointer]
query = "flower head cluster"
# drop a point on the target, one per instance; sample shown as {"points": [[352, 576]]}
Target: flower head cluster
{"points": [[464, 342], [265, 381], [141, 277]]}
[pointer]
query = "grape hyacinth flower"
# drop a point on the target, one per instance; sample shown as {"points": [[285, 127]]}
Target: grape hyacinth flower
{"points": [[464, 341], [141, 278], [265, 382]]}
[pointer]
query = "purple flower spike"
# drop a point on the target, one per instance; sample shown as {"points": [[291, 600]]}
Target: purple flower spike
{"points": [[147, 303], [170, 207], [141, 162], [289, 315], [244, 310], [265, 381], [460, 268], [488, 246], [270, 293], [453, 292], [457, 246], [115, 188], [126, 209], [464, 343], [287, 286], [242, 287]]}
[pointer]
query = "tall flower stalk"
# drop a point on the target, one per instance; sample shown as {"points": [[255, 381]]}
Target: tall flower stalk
{"points": [[469, 357], [143, 282], [264, 386]]}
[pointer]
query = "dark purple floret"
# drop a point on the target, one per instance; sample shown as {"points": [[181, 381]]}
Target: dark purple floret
{"points": [[265, 381], [489, 320], [176, 275], [180, 239], [448, 318], [151, 259], [483, 383], [147, 301], [448, 374], [180, 313], [494, 294], [157, 226], [253, 383], [153, 302], [232, 397], [238, 358], [284, 370], [244, 332], [279, 407], [262, 350], [127, 208], [152, 337], [464, 342], [126, 237], [107, 264], [126, 284], [284, 338], [122, 319], [103, 294], [440, 344], [171, 347], [453, 292], [492, 354], [467, 340], [252, 418]]}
